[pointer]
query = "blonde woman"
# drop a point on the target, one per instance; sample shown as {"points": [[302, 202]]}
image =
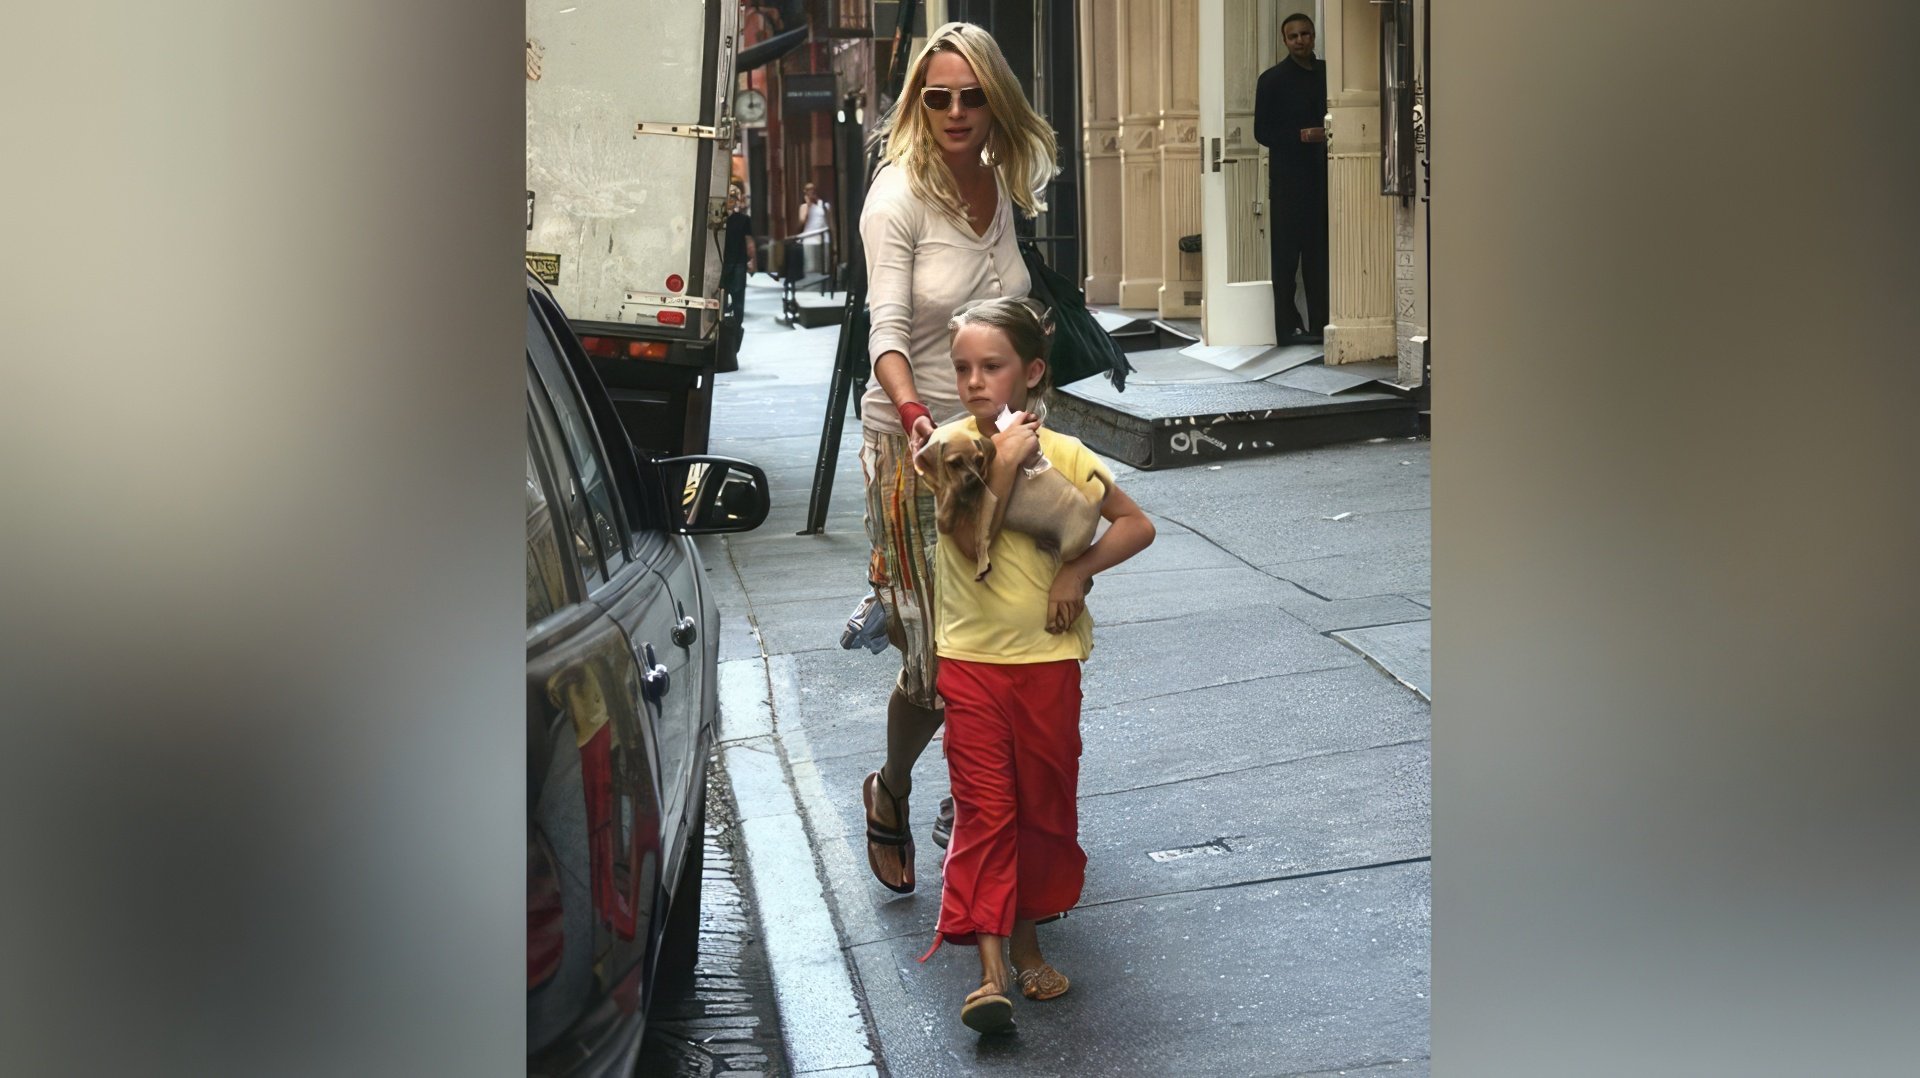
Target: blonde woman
{"points": [[963, 150]]}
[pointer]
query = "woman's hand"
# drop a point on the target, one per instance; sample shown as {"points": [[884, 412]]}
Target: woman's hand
{"points": [[1019, 444], [917, 437], [1067, 599]]}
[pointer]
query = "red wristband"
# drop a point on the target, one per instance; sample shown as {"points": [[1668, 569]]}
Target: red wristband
{"points": [[910, 414]]}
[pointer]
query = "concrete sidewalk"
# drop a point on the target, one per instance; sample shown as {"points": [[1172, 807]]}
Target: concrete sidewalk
{"points": [[1255, 801]]}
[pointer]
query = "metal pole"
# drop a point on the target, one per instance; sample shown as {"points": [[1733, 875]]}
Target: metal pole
{"points": [[840, 389]]}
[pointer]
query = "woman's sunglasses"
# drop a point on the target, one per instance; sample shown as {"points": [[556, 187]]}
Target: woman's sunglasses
{"points": [[940, 98]]}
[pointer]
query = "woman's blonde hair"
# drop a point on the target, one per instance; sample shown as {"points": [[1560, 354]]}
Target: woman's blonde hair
{"points": [[1021, 147], [1028, 325]]}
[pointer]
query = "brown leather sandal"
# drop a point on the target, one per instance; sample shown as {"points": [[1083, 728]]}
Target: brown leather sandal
{"points": [[1043, 982], [882, 839], [988, 1010]]}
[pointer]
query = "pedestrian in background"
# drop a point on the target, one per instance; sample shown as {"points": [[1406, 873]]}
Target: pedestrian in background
{"points": [[736, 257], [963, 149], [1289, 119], [816, 229], [1010, 644], [736, 261]]}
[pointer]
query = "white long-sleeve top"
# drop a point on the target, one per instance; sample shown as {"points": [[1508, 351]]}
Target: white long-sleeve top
{"points": [[920, 267]]}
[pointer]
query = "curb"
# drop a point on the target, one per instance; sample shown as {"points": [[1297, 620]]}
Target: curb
{"points": [[821, 1020]]}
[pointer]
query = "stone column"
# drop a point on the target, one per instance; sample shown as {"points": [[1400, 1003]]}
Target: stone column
{"points": [[1360, 239], [1100, 144], [1139, 138], [1179, 152]]}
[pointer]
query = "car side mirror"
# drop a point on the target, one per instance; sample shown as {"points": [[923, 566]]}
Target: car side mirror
{"points": [[710, 495]]}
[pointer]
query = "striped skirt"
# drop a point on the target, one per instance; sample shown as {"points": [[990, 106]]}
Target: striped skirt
{"points": [[899, 522]]}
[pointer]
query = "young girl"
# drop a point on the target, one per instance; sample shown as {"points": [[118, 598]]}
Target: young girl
{"points": [[1010, 647]]}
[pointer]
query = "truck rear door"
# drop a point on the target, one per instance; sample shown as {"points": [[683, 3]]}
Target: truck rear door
{"points": [[628, 153]]}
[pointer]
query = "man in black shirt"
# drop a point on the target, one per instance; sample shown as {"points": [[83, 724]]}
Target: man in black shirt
{"points": [[1289, 110], [737, 256]]}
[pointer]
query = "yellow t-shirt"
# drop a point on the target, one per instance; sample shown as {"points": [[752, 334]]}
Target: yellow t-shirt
{"points": [[1003, 619]]}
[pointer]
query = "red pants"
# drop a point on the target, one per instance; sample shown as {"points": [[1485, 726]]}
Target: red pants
{"points": [[1013, 752]]}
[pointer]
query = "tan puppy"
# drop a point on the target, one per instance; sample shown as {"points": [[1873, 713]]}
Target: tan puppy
{"points": [[1048, 508]]}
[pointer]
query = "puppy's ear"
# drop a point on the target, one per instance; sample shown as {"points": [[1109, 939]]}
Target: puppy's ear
{"points": [[926, 461], [932, 469]]}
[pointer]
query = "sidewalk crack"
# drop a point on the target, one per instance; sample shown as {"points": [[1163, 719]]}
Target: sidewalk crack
{"points": [[1123, 899], [1330, 753], [1285, 878], [1220, 685]]}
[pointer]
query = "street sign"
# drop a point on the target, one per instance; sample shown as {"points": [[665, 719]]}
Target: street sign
{"points": [[809, 93]]}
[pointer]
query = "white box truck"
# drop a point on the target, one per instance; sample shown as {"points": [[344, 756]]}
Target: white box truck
{"points": [[629, 150]]}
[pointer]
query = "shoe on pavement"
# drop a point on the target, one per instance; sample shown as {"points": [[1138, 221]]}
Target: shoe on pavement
{"points": [[988, 1010], [943, 824], [888, 845]]}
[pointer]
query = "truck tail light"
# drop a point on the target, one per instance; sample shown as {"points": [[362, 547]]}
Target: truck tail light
{"points": [[676, 282], [673, 318], [610, 348]]}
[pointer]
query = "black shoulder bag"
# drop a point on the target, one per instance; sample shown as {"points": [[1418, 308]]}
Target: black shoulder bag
{"points": [[1081, 349]]}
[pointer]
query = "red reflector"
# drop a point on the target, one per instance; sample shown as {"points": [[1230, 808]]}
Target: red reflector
{"points": [[676, 282], [646, 349], [673, 318]]}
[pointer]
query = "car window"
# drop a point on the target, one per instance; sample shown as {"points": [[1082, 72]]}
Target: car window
{"points": [[583, 449], [639, 491], [550, 445], [546, 573]]}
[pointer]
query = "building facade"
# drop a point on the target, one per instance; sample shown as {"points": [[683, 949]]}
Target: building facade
{"points": [[1166, 141]]}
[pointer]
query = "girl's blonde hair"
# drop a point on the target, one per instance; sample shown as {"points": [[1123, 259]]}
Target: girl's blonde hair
{"points": [[1028, 325], [1021, 147]]}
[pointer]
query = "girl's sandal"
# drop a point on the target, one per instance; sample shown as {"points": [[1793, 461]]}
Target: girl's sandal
{"points": [[882, 841], [1042, 982], [988, 1010]]}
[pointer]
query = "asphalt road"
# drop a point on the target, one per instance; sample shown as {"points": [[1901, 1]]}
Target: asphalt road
{"points": [[1255, 796]]}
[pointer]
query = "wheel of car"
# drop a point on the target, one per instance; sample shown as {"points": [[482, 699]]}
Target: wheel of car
{"points": [[680, 944]]}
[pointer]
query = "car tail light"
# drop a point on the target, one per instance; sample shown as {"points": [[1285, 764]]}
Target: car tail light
{"points": [[546, 914], [676, 282], [673, 318], [596, 775]]}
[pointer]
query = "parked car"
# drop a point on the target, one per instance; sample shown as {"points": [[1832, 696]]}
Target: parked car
{"points": [[620, 706]]}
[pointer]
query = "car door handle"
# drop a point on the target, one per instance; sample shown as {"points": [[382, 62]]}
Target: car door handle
{"points": [[655, 682], [685, 631]]}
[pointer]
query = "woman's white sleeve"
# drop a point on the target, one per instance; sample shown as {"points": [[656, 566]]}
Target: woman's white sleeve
{"points": [[888, 236]]}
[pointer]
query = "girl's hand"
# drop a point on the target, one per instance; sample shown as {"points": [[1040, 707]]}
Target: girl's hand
{"points": [[917, 437], [1067, 599], [1019, 444]]}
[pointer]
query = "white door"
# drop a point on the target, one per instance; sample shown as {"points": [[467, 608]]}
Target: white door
{"points": [[1245, 37]]}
